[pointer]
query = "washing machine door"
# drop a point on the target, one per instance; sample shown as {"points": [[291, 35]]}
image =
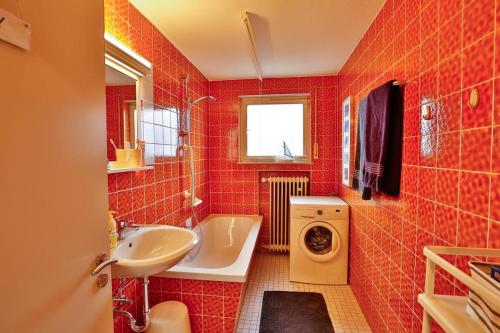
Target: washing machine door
{"points": [[319, 241]]}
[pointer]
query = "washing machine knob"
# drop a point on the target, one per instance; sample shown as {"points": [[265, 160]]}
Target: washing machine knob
{"points": [[320, 211]]}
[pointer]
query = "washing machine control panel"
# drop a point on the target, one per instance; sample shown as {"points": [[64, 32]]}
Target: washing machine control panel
{"points": [[325, 213]]}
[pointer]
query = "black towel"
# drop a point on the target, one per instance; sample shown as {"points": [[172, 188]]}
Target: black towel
{"points": [[376, 136], [391, 182], [380, 140]]}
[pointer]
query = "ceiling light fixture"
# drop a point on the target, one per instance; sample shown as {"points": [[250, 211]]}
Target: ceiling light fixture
{"points": [[112, 40], [121, 67]]}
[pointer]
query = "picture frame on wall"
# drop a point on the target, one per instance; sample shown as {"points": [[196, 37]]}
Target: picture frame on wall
{"points": [[346, 140]]}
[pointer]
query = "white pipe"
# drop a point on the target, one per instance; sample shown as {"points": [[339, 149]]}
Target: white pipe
{"points": [[253, 48], [191, 172], [194, 200]]}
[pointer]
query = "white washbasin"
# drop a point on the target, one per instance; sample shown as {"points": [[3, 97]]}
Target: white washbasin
{"points": [[151, 250]]}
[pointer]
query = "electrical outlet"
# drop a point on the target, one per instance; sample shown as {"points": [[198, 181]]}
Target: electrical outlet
{"points": [[189, 223]]}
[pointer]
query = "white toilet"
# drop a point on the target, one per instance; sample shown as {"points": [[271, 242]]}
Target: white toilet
{"points": [[169, 317]]}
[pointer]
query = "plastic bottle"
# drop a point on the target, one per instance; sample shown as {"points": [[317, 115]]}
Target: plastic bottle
{"points": [[113, 234]]}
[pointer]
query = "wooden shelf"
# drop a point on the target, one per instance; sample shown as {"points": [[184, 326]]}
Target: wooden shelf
{"points": [[449, 313], [132, 169]]}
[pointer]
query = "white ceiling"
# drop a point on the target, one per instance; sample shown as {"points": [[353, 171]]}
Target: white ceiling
{"points": [[293, 37]]}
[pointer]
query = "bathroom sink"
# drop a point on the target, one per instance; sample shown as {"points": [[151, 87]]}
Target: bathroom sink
{"points": [[151, 250]]}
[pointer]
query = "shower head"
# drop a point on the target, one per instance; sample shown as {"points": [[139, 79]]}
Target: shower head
{"points": [[212, 98], [190, 105]]}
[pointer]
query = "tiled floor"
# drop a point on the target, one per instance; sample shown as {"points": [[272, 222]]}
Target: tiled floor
{"points": [[270, 272]]}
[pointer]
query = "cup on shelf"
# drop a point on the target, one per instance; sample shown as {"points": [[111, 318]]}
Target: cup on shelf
{"points": [[122, 155], [135, 157]]}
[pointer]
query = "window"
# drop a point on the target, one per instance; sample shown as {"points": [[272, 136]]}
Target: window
{"points": [[275, 129]]}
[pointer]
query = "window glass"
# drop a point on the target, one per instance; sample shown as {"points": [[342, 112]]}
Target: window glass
{"points": [[275, 129], [271, 125]]}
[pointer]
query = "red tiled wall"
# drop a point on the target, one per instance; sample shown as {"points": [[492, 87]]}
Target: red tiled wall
{"points": [[234, 188], [451, 194], [115, 96], [213, 305], [154, 196]]}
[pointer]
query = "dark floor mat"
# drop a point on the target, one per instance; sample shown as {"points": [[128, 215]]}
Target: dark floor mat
{"points": [[294, 312]]}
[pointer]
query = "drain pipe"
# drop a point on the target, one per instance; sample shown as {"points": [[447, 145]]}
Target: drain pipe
{"points": [[145, 312]]}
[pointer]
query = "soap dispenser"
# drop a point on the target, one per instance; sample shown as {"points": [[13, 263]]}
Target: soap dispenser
{"points": [[113, 234]]}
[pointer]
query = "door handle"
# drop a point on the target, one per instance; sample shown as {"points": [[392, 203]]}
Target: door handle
{"points": [[101, 262]]}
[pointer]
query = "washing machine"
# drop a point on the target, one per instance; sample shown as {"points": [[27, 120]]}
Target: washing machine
{"points": [[319, 239]]}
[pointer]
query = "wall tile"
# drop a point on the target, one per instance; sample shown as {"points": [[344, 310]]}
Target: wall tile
{"points": [[474, 195], [446, 195], [471, 230], [495, 167], [213, 306], [478, 19], [450, 37], [495, 197], [475, 154], [448, 150], [448, 164], [236, 186], [446, 224], [212, 288], [153, 196], [478, 61], [447, 187]]}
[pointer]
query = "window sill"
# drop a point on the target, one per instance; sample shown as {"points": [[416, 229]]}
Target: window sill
{"points": [[273, 162], [130, 169]]}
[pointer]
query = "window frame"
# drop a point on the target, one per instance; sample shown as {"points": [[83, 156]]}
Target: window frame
{"points": [[304, 99]]}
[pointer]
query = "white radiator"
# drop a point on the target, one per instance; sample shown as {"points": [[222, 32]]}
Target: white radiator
{"points": [[280, 190]]}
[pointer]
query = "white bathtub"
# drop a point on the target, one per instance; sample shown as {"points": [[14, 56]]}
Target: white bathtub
{"points": [[225, 250]]}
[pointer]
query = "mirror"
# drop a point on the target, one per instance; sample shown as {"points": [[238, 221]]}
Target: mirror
{"points": [[129, 108], [121, 112]]}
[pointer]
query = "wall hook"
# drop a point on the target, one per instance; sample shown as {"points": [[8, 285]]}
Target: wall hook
{"points": [[473, 98], [426, 108], [427, 114]]}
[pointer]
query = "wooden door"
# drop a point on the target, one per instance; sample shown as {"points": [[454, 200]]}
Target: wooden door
{"points": [[53, 183]]}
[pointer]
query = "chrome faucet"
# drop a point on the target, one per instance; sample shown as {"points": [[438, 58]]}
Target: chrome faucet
{"points": [[124, 226]]}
